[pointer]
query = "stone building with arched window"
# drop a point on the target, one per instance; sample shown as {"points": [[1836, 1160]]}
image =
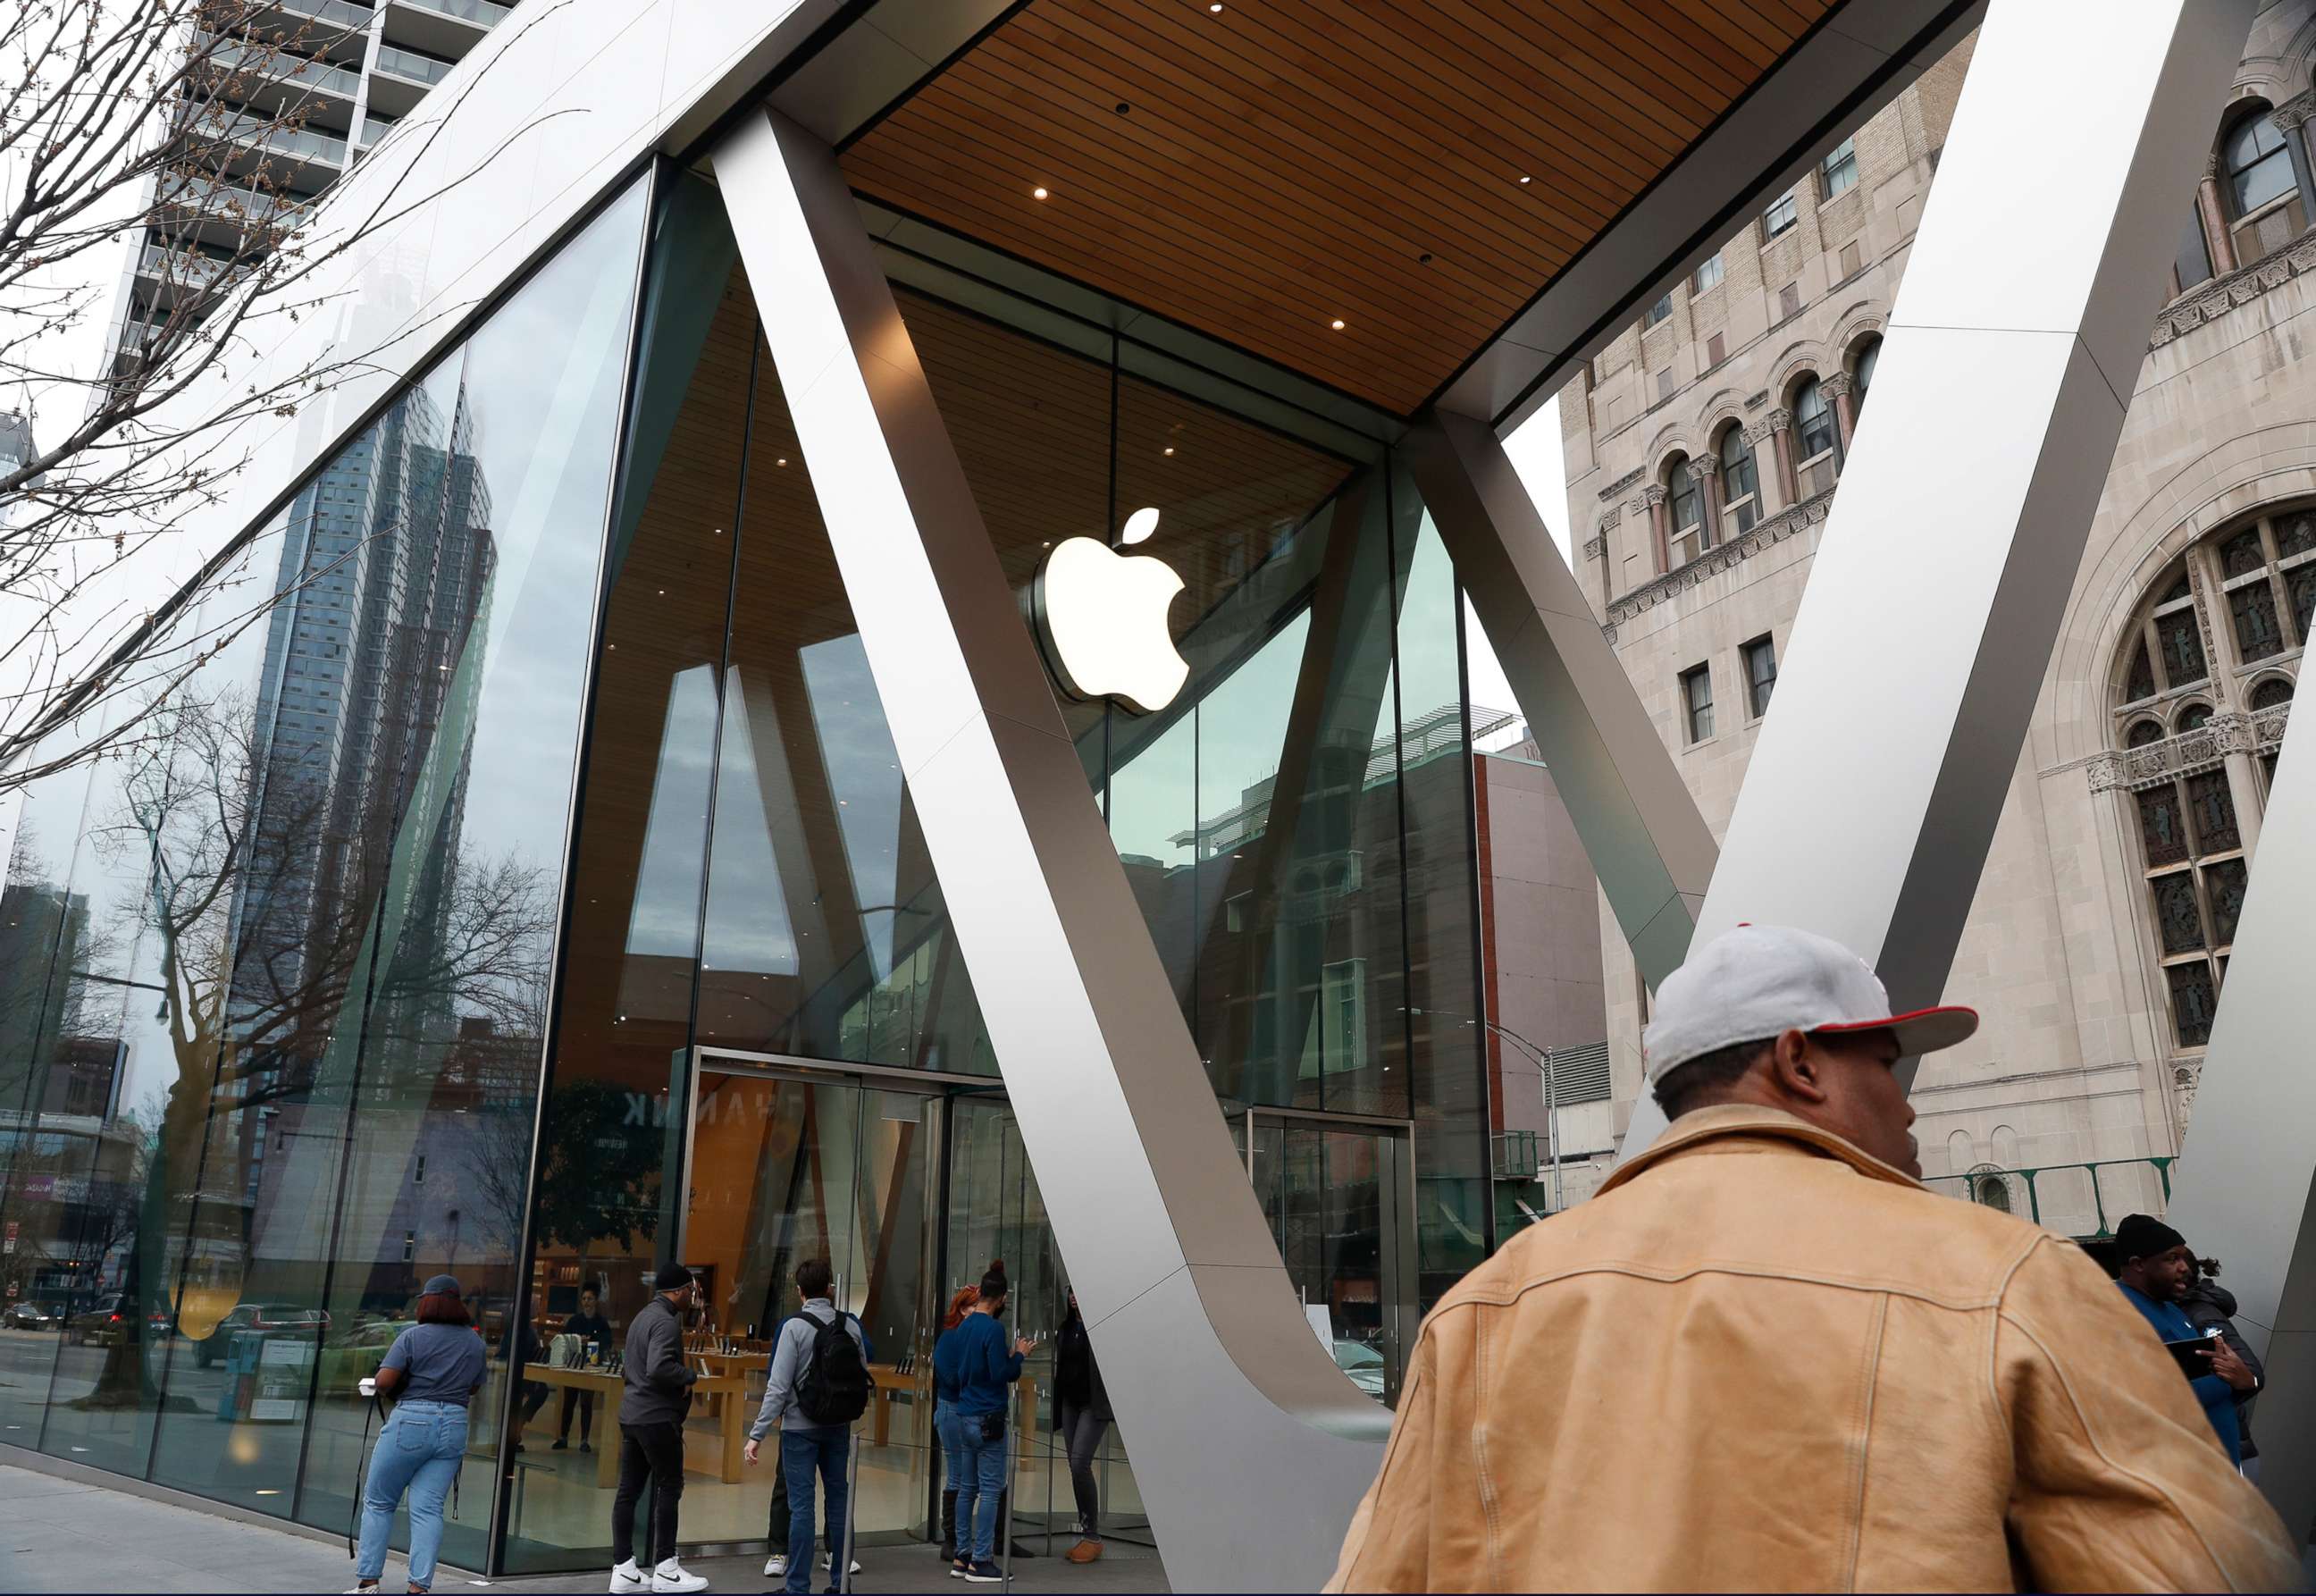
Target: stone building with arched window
{"points": [[2098, 940]]}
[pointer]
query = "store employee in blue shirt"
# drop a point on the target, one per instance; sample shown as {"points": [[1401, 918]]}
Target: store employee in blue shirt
{"points": [[2157, 1269]]}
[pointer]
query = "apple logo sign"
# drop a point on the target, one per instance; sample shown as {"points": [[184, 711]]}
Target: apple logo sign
{"points": [[1101, 616]]}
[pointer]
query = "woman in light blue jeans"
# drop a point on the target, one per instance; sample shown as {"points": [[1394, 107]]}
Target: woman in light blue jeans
{"points": [[419, 1451], [435, 1366]]}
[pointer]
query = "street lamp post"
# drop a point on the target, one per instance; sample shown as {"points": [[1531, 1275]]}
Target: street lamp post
{"points": [[1543, 1058]]}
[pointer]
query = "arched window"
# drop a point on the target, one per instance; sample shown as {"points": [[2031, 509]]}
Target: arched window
{"points": [[2239, 593], [2259, 165], [1684, 498], [1815, 440], [1861, 373], [1740, 483], [2266, 209]]}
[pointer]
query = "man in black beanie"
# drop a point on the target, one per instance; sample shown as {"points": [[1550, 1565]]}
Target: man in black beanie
{"points": [[650, 1436], [2156, 1268]]}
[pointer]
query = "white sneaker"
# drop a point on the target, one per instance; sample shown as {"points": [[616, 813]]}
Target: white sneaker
{"points": [[828, 1560], [670, 1576], [627, 1577], [776, 1566]]}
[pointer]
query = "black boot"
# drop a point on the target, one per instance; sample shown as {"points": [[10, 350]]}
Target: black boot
{"points": [[1003, 1519], [948, 1526]]}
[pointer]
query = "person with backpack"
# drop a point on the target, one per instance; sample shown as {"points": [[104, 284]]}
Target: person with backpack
{"points": [[819, 1387], [973, 1374]]}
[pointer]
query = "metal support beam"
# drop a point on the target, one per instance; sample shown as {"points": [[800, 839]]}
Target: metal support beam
{"points": [[1639, 827], [2245, 1185], [1923, 638], [1250, 1447]]}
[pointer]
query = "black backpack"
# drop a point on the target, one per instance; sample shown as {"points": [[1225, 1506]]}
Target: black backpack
{"points": [[833, 1388]]}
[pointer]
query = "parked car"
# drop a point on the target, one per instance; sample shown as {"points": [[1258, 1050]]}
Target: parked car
{"points": [[1363, 1363], [104, 1323], [265, 1318], [345, 1364], [29, 1314]]}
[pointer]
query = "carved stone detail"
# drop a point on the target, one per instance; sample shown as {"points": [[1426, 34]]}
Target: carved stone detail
{"points": [[2230, 734], [1620, 485], [1721, 558], [2190, 753], [2294, 110], [1705, 465], [1595, 547], [1765, 430], [1654, 494], [2203, 611], [1835, 386], [1755, 401], [2106, 771], [1610, 517], [2218, 297]]}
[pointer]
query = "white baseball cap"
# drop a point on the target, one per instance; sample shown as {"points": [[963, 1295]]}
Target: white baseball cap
{"points": [[1761, 981]]}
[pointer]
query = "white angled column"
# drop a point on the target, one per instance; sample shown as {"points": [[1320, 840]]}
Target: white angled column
{"points": [[1249, 1448], [2244, 1190], [1936, 593]]}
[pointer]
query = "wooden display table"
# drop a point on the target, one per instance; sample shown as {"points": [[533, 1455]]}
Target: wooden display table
{"points": [[732, 1415]]}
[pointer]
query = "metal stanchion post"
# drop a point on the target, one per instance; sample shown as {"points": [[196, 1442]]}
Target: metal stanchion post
{"points": [[841, 1564]]}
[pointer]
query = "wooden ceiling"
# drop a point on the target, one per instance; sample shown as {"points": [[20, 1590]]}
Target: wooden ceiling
{"points": [[1262, 170]]}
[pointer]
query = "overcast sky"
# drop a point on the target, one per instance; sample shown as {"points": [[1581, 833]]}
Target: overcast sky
{"points": [[1535, 450]]}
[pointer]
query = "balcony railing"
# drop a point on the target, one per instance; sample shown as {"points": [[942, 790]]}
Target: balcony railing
{"points": [[336, 14], [2204, 747], [2083, 1200], [271, 136], [230, 202], [183, 266], [483, 13], [411, 65], [282, 65]]}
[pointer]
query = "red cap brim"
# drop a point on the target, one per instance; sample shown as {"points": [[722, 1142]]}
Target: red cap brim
{"points": [[1921, 1030]]}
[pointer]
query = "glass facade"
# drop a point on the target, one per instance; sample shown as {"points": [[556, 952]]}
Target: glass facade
{"points": [[284, 961], [534, 893]]}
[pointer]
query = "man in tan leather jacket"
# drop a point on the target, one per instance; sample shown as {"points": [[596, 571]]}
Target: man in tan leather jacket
{"points": [[1765, 1356]]}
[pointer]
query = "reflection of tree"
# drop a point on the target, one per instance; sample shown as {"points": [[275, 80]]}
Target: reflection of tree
{"points": [[269, 931], [599, 1169]]}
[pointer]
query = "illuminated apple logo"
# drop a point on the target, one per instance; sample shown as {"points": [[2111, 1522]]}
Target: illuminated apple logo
{"points": [[1101, 616]]}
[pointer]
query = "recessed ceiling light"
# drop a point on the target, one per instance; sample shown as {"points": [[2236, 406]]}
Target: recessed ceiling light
{"points": [[1217, 6], [1170, 448], [1523, 179], [784, 459], [1037, 193], [1337, 324]]}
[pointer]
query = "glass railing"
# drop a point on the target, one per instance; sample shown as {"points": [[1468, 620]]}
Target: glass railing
{"points": [[483, 13], [273, 138], [283, 66], [411, 65], [231, 202], [337, 14], [180, 265]]}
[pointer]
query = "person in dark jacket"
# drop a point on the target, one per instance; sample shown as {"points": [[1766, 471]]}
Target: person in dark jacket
{"points": [[590, 1325], [2155, 1267], [2208, 1303], [652, 1408], [1081, 1414], [973, 1371]]}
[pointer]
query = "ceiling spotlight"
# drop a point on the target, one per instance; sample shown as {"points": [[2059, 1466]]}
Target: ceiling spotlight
{"points": [[1170, 448], [1523, 179], [1037, 193], [784, 459], [1337, 324], [1217, 6]]}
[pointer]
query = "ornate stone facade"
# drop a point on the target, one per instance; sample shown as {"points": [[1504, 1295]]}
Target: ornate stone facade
{"points": [[2077, 1060]]}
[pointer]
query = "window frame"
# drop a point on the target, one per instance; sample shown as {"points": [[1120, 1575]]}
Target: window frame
{"points": [[1787, 203], [2232, 175], [1759, 690], [1740, 511], [1837, 173], [1658, 313], [1714, 264], [1693, 707]]}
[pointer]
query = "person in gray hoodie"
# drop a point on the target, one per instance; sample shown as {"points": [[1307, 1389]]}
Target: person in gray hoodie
{"points": [[807, 1448], [658, 1396]]}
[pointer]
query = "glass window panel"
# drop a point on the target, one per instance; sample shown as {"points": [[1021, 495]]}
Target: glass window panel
{"points": [[2271, 692], [2300, 582], [2194, 261], [2242, 554], [1813, 419], [1687, 498], [1739, 475], [2142, 732], [2260, 166], [1781, 216], [1443, 976], [1863, 377], [1761, 674], [2183, 648], [1708, 273], [2141, 682], [1660, 311], [2161, 829], [2193, 1001], [1697, 702], [2224, 883], [2194, 717], [2252, 607], [2295, 533], [2179, 919], [2214, 809], [1839, 170]]}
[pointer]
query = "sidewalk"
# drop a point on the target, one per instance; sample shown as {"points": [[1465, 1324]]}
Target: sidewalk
{"points": [[70, 1535]]}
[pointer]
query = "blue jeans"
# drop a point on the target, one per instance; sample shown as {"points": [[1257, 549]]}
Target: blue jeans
{"points": [[824, 1448], [977, 1468], [418, 1450]]}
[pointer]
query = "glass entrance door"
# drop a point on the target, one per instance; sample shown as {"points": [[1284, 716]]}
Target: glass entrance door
{"points": [[1337, 1197]]}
